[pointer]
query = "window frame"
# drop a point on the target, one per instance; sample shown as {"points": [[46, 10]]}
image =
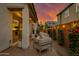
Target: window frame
{"points": [[66, 13], [77, 4]]}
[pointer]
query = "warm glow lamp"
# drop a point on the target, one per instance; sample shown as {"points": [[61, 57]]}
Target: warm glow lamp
{"points": [[63, 26]]}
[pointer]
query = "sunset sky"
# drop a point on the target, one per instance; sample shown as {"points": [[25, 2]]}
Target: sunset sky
{"points": [[48, 11]]}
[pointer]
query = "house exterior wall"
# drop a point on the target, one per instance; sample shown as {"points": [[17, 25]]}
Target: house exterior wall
{"points": [[73, 15], [59, 19], [25, 29], [6, 27]]}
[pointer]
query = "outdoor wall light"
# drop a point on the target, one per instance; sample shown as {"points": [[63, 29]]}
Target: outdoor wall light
{"points": [[63, 26]]}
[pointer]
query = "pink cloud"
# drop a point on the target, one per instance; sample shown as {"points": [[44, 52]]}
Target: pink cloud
{"points": [[48, 11]]}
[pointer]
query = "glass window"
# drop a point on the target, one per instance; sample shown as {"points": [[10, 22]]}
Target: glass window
{"points": [[77, 7], [66, 14]]}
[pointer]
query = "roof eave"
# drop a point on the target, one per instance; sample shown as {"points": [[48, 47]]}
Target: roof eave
{"points": [[65, 8]]}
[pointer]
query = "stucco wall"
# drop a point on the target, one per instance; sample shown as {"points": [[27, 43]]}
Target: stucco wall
{"points": [[5, 27], [25, 28]]}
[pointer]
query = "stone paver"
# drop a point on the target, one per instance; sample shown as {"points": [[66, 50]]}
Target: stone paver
{"points": [[60, 50], [57, 50]]}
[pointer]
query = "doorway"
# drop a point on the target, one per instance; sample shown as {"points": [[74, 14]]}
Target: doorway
{"points": [[16, 25], [61, 37]]}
